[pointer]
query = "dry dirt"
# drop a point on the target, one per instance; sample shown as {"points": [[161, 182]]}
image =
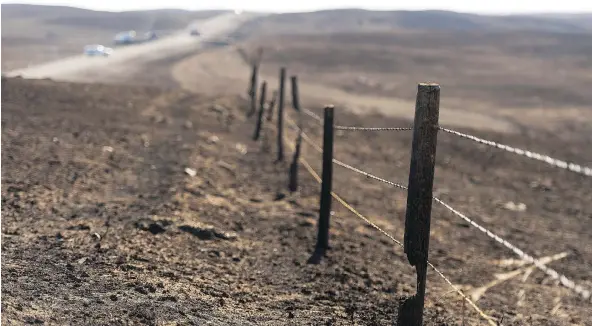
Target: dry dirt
{"points": [[122, 234], [528, 78], [219, 71], [102, 225]]}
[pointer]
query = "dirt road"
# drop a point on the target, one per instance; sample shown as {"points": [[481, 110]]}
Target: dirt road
{"points": [[129, 58]]}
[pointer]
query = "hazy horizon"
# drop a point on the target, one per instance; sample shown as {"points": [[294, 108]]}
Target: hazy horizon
{"points": [[496, 8]]}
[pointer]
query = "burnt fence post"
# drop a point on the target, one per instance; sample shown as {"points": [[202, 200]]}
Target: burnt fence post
{"points": [[274, 96], [295, 95], [280, 122], [419, 197], [293, 174], [253, 89], [327, 178], [261, 110]]}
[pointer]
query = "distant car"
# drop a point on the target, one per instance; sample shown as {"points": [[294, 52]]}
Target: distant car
{"points": [[195, 32], [127, 37], [97, 50]]}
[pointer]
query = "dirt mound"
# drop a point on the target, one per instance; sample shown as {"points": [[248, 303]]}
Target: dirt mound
{"points": [[136, 204]]}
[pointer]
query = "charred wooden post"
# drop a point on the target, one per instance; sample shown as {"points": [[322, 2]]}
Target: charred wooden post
{"points": [[274, 96], [293, 174], [293, 183], [253, 89], [280, 122], [327, 179], [295, 95], [419, 197], [261, 110]]}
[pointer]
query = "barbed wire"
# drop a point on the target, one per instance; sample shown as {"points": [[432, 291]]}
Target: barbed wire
{"points": [[566, 282], [535, 156], [337, 127]]}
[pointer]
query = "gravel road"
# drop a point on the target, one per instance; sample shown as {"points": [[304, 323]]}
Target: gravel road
{"points": [[133, 57]]}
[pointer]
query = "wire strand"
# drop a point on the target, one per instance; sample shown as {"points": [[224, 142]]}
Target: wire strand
{"points": [[337, 127], [535, 156]]}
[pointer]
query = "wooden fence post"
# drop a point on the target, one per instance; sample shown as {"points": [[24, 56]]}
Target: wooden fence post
{"points": [[327, 178], [261, 110], [272, 105], [280, 122], [293, 175], [253, 89], [295, 95], [419, 197]]}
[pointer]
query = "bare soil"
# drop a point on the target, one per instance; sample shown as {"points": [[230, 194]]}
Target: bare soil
{"points": [[102, 225], [530, 77]]}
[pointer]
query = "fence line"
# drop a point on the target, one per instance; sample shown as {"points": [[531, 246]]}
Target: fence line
{"points": [[566, 282], [419, 191], [522, 152], [535, 156], [349, 207]]}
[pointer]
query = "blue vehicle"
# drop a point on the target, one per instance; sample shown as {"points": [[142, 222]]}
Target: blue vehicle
{"points": [[97, 50], [128, 37]]}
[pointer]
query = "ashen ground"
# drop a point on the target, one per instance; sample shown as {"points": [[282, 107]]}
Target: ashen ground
{"points": [[102, 225]]}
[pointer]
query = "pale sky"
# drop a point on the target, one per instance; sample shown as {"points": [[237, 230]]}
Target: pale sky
{"points": [[472, 6]]}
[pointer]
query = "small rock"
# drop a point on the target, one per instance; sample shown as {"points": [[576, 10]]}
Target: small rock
{"points": [[81, 260], [188, 124], [113, 297], [290, 315], [153, 227], [307, 222], [241, 148], [207, 232], [141, 289], [520, 207], [96, 236], [191, 172], [151, 288], [168, 298], [108, 149], [213, 139]]}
